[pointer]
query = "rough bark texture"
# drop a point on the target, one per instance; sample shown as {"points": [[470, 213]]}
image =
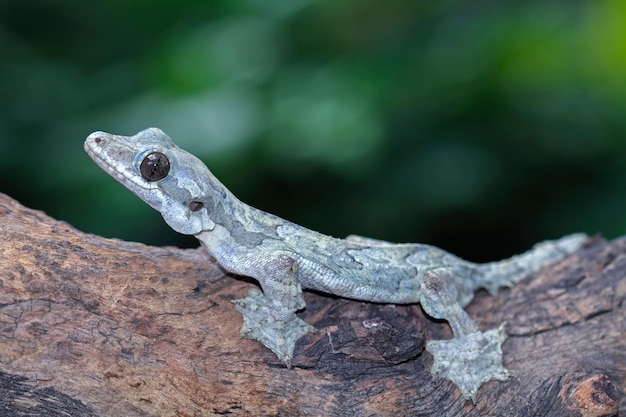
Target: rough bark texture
{"points": [[100, 327]]}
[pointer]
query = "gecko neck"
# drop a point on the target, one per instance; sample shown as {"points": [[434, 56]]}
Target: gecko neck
{"points": [[243, 227]]}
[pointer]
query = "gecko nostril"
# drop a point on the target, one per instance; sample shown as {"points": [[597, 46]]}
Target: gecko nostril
{"points": [[98, 140]]}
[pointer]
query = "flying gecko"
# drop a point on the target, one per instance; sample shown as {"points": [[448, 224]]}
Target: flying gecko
{"points": [[286, 258]]}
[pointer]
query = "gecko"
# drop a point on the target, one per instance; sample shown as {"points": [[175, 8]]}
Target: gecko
{"points": [[286, 258]]}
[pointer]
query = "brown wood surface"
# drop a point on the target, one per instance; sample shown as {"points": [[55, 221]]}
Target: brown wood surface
{"points": [[102, 327]]}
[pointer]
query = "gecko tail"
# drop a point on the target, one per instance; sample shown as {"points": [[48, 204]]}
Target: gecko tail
{"points": [[507, 272]]}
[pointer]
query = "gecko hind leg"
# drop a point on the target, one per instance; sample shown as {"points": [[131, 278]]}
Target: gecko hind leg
{"points": [[273, 328], [472, 357]]}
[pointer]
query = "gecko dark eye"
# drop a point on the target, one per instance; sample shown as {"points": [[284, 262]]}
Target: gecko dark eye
{"points": [[155, 166], [195, 205]]}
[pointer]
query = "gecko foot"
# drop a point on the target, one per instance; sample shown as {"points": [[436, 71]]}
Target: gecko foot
{"points": [[262, 322], [471, 360]]}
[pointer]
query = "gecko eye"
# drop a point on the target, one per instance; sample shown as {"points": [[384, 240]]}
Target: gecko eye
{"points": [[155, 166], [195, 205]]}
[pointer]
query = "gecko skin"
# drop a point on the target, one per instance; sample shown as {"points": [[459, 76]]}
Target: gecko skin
{"points": [[285, 258]]}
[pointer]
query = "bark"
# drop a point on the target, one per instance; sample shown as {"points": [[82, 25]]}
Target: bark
{"points": [[102, 327]]}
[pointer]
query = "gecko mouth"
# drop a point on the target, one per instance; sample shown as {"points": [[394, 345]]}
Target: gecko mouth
{"points": [[122, 171], [149, 192], [93, 147]]}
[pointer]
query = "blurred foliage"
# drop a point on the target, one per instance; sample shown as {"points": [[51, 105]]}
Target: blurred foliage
{"points": [[477, 126]]}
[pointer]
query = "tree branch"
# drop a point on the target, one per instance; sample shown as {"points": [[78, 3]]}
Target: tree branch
{"points": [[102, 327]]}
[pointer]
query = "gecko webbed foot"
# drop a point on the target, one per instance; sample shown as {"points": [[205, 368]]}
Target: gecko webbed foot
{"points": [[470, 360], [471, 357], [262, 322]]}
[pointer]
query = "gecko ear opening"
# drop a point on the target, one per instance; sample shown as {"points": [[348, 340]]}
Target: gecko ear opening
{"points": [[196, 205]]}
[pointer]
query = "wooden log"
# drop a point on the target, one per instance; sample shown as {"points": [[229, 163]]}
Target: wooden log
{"points": [[102, 327]]}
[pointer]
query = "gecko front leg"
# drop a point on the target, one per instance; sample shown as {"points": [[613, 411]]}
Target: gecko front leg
{"points": [[472, 357], [269, 317]]}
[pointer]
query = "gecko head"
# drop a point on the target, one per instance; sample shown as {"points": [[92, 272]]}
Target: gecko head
{"points": [[169, 179]]}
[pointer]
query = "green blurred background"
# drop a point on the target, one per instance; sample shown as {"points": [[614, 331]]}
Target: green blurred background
{"points": [[480, 126]]}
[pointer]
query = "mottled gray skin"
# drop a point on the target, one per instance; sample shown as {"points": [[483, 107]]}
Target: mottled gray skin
{"points": [[285, 258]]}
